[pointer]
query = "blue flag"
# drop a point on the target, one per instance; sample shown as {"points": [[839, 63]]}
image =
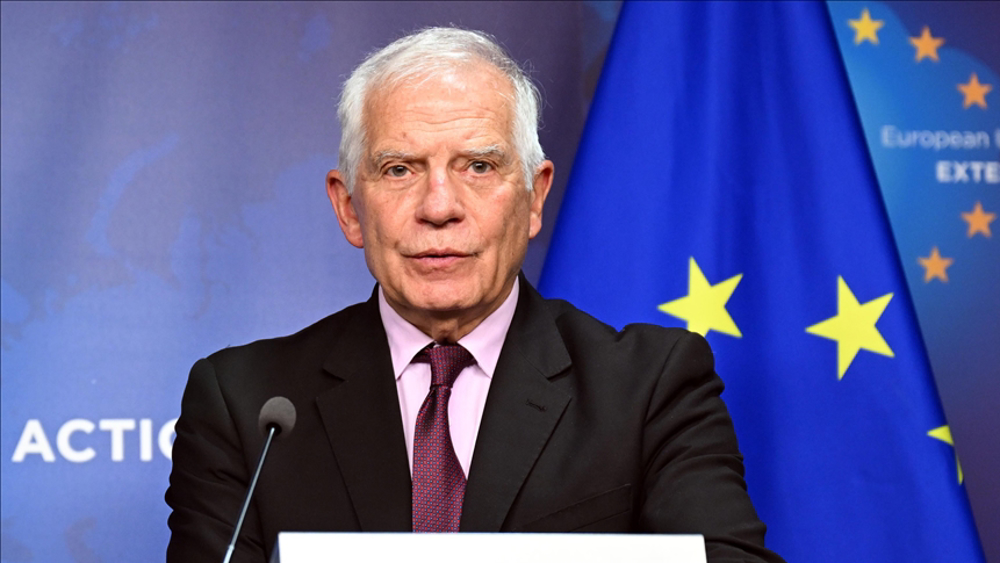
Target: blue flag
{"points": [[723, 185]]}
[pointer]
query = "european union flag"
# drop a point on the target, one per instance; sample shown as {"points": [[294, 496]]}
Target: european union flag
{"points": [[723, 185]]}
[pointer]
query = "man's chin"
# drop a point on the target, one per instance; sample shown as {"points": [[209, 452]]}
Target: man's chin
{"points": [[459, 299], [445, 306], [430, 298]]}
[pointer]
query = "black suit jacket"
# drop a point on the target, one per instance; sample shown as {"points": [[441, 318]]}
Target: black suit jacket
{"points": [[585, 429]]}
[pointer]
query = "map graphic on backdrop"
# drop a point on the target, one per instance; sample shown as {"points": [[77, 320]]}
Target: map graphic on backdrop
{"points": [[125, 271], [163, 197]]}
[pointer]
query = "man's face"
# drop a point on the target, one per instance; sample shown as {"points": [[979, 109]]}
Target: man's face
{"points": [[440, 206]]}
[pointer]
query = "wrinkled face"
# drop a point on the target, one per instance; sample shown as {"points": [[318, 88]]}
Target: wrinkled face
{"points": [[440, 206]]}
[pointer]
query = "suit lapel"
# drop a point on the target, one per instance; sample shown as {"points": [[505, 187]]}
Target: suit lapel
{"points": [[364, 426], [522, 409]]}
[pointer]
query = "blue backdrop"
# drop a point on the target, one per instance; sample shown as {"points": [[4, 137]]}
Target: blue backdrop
{"points": [[163, 173]]}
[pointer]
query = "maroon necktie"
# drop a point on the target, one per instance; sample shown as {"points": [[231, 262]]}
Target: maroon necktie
{"points": [[438, 481]]}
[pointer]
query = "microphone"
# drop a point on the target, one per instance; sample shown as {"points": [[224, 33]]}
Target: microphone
{"points": [[277, 416], [277, 412]]}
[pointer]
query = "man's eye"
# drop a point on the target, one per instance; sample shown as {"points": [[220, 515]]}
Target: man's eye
{"points": [[480, 167], [397, 171]]}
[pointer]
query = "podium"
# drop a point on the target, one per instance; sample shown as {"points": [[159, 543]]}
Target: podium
{"points": [[339, 547]]}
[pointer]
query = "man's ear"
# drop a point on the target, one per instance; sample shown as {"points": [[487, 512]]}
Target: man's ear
{"points": [[542, 182], [343, 206]]}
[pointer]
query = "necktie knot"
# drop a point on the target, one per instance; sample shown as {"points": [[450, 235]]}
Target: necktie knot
{"points": [[447, 361]]}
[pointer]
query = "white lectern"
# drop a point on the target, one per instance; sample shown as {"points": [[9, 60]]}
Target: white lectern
{"points": [[337, 547]]}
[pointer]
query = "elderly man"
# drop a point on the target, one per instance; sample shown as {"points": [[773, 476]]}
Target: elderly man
{"points": [[456, 398]]}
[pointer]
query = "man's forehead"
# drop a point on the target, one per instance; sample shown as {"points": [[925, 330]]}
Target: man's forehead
{"points": [[457, 82], [476, 103], [459, 75]]}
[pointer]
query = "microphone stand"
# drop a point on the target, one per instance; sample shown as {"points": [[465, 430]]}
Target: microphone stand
{"points": [[272, 431]]}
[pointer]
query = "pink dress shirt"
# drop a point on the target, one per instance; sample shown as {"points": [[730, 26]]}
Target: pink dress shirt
{"points": [[468, 395]]}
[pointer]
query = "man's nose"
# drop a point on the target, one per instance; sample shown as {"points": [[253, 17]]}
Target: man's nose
{"points": [[441, 201]]}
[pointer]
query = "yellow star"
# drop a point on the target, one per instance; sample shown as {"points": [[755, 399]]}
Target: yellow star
{"points": [[975, 93], [943, 433], [704, 307], [866, 28], [935, 266], [853, 327], [979, 220], [927, 45]]}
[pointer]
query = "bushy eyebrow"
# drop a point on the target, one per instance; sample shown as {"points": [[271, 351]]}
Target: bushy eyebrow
{"points": [[493, 152], [381, 157]]}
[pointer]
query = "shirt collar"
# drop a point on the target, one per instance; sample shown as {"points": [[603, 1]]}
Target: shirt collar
{"points": [[484, 342]]}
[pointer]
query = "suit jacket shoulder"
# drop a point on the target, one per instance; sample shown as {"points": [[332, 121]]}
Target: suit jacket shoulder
{"points": [[642, 343]]}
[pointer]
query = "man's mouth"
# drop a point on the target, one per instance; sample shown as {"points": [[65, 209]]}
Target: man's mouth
{"points": [[439, 258], [439, 253]]}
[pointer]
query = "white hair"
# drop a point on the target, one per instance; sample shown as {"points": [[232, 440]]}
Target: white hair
{"points": [[420, 55]]}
